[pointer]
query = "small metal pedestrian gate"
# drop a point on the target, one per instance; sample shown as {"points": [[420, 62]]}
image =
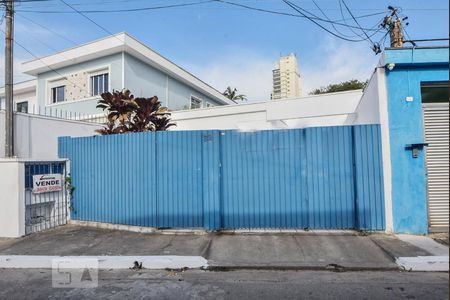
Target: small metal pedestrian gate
{"points": [[44, 210], [436, 128]]}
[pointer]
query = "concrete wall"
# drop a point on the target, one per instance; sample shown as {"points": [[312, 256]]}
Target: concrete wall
{"points": [[23, 91], [320, 110], [145, 81], [412, 67], [37, 136], [368, 108], [12, 199]]}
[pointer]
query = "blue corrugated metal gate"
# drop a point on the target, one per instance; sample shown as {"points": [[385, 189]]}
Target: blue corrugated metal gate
{"points": [[327, 177]]}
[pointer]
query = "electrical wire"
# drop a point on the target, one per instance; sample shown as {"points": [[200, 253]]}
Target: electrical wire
{"points": [[299, 10], [118, 10], [334, 26], [48, 29], [189, 4], [343, 17], [356, 21], [89, 19], [42, 61], [290, 14]]}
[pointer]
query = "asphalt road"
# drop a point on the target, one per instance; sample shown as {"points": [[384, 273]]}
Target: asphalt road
{"points": [[243, 284]]}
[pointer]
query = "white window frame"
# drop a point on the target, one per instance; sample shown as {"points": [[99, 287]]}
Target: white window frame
{"points": [[54, 100], [96, 72], [50, 84], [62, 80], [21, 102], [195, 98]]}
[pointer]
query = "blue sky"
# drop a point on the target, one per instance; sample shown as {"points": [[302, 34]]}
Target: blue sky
{"points": [[227, 45]]}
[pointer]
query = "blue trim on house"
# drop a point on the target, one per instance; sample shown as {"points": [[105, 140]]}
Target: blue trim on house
{"points": [[417, 56], [409, 199]]}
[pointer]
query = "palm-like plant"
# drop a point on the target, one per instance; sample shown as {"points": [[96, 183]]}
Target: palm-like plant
{"points": [[232, 94], [120, 105], [128, 114], [150, 116]]}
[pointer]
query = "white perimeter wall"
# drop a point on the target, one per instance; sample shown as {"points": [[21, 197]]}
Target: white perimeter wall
{"points": [[12, 201], [368, 110], [333, 109], [37, 136]]}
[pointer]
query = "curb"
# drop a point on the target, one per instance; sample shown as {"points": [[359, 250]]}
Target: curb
{"points": [[103, 262], [330, 268]]}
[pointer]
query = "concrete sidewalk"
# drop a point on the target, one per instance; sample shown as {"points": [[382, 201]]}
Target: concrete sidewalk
{"points": [[313, 250]]}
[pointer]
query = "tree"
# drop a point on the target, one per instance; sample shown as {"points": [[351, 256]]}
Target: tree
{"points": [[349, 85], [233, 95], [128, 114]]}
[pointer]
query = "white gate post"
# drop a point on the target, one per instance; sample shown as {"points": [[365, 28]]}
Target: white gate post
{"points": [[12, 198]]}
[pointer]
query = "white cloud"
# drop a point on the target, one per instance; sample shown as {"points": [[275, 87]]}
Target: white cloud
{"points": [[247, 70], [336, 62], [251, 72]]}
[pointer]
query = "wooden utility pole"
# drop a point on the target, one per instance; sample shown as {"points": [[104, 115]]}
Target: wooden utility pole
{"points": [[396, 34], [9, 105]]}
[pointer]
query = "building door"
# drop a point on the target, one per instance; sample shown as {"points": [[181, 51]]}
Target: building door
{"points": [[435, 107]]}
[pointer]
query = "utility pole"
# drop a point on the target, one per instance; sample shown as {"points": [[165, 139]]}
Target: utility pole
{"points": [[396, 34], [394, 27], [9, 38]]}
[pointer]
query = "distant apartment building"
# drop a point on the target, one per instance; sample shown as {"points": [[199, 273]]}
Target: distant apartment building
{"points": [[286, 78], [73, 80]]}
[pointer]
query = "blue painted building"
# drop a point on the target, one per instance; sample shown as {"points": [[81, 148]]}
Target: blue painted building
{"points": [[72, 80], [410, 90]]}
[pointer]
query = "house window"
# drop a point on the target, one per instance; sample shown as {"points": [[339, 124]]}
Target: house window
{"points": [[99, 84], [58, 94], [435, 92], [22, 107], [209, 104], [196, 102]]}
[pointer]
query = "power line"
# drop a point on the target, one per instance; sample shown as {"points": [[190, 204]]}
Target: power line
{"points": [[356, 21], [343, 17], [334, 26], [299, 10], [431, 40], [48, 29], [86, 17], [288, 14], [93, 3], [118, 10], [41, 60], [74, 10], [91, 20]]}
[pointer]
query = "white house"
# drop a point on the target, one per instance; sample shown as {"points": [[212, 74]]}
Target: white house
{"points": [[73, 79]]}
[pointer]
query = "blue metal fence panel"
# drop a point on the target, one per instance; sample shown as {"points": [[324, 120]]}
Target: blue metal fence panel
{"points": [[113, 178], [211, 172], [262, 180], [328, 177], [369, 177], [179, 179]]}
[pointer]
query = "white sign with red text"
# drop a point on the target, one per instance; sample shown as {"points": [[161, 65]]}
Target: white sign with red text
{"points": [[46, 183]]}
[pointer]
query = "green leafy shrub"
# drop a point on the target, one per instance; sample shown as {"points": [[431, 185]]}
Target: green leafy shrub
{"points": [[128, 114]]}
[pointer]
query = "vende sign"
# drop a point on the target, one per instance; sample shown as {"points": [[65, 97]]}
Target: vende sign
{"points": [[47, 183]]}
